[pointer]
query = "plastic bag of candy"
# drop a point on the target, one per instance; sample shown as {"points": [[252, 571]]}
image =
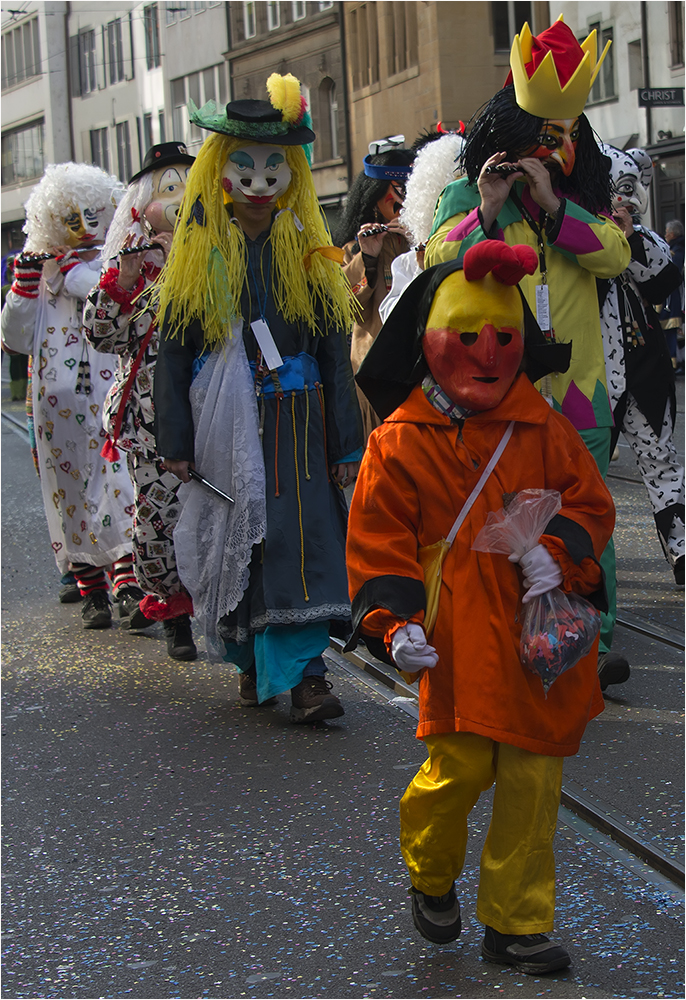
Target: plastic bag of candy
{"points": [[558, 629]]}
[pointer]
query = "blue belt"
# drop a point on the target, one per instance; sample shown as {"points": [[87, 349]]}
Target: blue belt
{"points": [[295, 374]]}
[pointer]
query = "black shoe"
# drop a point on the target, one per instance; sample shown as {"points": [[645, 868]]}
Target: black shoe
{"points": [[97, 610], [312, 701], [437, 918], [130, 615], [69, 591], [247, 692], [612, 669], [532, 953], [180, 645], [678, 570]]}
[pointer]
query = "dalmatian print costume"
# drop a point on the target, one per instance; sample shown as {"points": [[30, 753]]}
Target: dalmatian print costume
{"points": [[640, 376]]}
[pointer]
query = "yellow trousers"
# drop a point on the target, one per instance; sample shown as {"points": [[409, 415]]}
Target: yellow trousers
{"points": [[517, 874]]}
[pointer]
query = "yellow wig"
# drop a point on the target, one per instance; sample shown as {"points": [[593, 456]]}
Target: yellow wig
{"points": [[206, 269]]}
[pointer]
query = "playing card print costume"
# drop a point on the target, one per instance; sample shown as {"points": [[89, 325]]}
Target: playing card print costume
{"points": [[121, 321], [88, 501], [445, 373]]}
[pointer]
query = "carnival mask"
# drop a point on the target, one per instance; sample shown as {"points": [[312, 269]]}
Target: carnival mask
{"points": [[631, 172], [257, 174], [86, 226], [557, 143], [168, 187], [473, 343]]}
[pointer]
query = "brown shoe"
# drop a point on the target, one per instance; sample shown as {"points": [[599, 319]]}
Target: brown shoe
{"points": [[312, 701], [247, 691]]}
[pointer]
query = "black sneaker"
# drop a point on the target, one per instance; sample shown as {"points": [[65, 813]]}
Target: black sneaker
{"points": [[180, 645], [69, 591], [312, 701], [612, 669], [532, 953], [97, 610], [247, 692], [130, 615], [437, 918], [678, 570]]}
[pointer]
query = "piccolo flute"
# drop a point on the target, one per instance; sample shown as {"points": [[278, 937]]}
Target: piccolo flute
{"points": [[505, 169], [143, 248]]}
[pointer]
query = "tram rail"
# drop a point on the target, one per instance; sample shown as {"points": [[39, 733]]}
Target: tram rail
{"points": [[578, 800]]}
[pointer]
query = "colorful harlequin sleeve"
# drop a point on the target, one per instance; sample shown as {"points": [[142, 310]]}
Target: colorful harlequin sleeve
{"points": [[579, 247]]}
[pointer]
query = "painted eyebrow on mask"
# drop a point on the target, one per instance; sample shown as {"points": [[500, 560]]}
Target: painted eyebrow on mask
{"points": [[274, 159], [170, 174], [242, 158]]}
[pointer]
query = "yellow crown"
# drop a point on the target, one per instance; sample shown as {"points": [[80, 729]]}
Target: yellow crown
{"points": [[541, 94]]}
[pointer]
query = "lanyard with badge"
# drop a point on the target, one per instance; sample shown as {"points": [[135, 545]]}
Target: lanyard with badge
{"points": [[542, 294]]}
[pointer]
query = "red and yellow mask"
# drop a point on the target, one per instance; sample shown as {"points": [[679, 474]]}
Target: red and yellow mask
{"points": [[557, 143], [473, 341]]}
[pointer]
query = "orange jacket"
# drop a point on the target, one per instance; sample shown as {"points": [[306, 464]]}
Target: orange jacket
{"points": [[417, 472]]}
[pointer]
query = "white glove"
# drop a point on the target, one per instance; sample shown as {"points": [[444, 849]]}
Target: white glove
{"points": [[541, 572], [410, 650]]}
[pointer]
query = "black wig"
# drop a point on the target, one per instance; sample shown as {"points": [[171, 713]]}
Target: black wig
{"points": [[364, 194], [502, 126]]}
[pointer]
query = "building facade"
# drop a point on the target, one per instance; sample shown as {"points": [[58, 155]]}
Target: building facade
{"points": [[411, 65], [36, 126], [647, 55]]}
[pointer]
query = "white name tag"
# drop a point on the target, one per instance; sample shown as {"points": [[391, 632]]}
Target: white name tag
{"points": [[543, 307], [270, 352]]}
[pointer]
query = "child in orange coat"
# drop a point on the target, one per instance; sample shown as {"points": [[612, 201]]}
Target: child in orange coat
{"points": [[446, 372]]}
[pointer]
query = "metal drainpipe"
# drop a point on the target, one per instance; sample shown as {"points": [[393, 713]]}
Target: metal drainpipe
{"points": [[344, 59], [649, 113], [646, 67], [70, 112]]}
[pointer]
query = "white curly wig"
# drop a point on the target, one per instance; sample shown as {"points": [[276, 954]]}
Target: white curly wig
{"points": [[436, 165], [128, 219], [63, 187]]}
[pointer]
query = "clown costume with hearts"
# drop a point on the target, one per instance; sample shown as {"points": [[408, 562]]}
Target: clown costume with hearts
{"points": [[464, 429], [88, 502], [119, 318]]}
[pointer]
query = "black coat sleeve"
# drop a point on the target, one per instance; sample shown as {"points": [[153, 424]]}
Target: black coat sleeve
{"points": [[173, 376]]}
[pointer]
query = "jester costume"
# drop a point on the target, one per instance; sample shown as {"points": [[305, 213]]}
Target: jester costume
{"points": [[575, 243]]}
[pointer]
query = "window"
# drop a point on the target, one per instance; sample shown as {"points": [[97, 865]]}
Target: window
{"points": [[508, 19], [299, 10], [604, 87], [20, 54], [325, 4], [147, 131], [171, 10], [163, 127], [87, 61], [273, 14], [676, 33], [403, 47], [327, 131], [364, 32], [208, 85], [152, 36], [100, 153], [123, 152], [115, 51], [635, 64], [249, 18], [22, 154]]}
